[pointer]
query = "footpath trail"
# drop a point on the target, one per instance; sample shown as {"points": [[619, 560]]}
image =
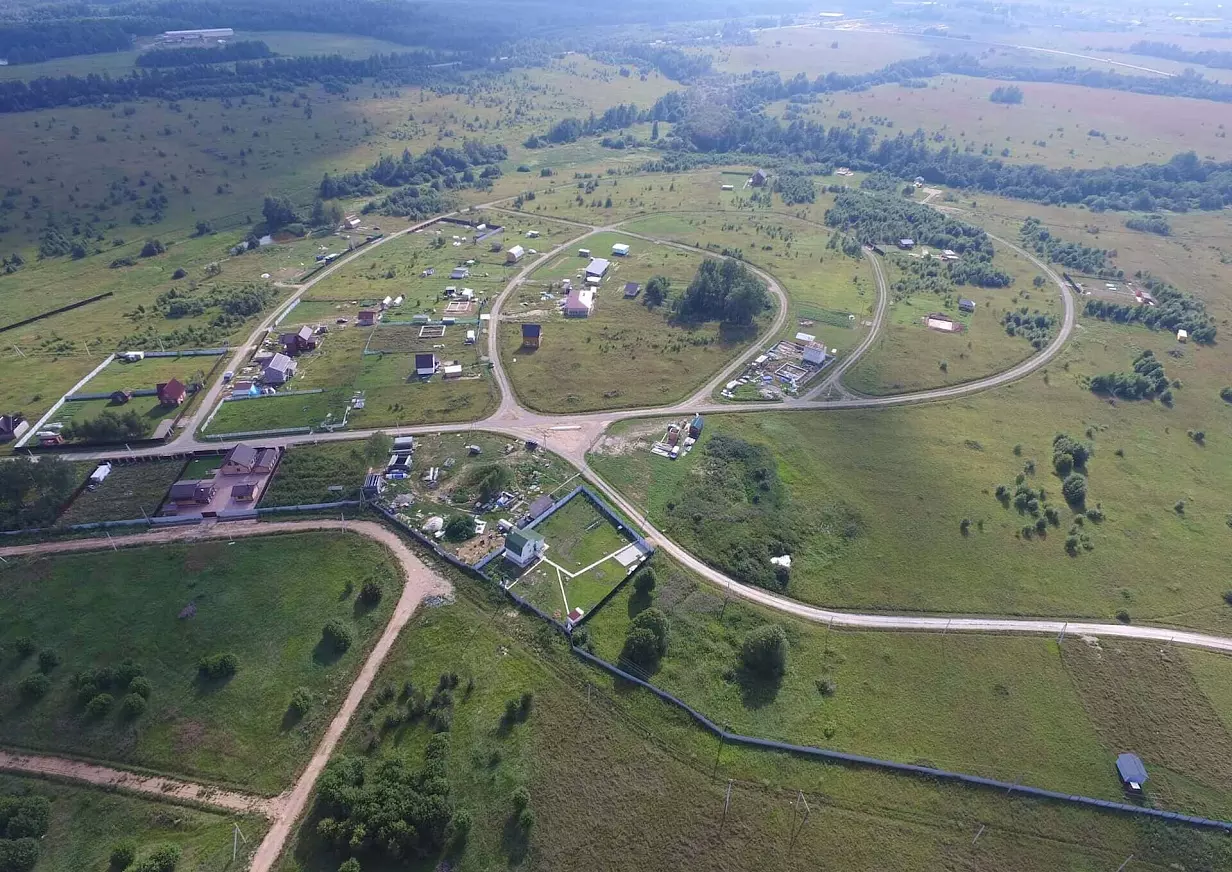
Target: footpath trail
{"points": [[163, 788], [284, 811]]}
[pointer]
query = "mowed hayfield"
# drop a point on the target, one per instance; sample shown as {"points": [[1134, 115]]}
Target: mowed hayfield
{"points": [[815, 51], [263, 600], [625, 354], [909, 356], [889, 489], [1013, 708], [86, 823], [613, 760], [1130, 128], [393, 394], [148, 373]]}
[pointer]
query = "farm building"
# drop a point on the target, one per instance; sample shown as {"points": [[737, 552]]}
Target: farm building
{"points": [[279, 370], [967, 306], [244, 493], [759, 179], [1131, 771], [425, 364], [470, 337], [351, 223], [386, 303], [597, 268], [452, 370], [620, 249], [944, 323], [583, 252], [728, 188], [197, 35], [98, 475], [366, 318], [1182, 335], [532, 234], [460, 272], [632, 289], [298, 342], [815, 353], [192, 492], [119, 398], [171, 393], [906, 244], [523, 546], [515, 254], [695, 427], [12, 426], [579, 303], [244, 459], [531, 335]]}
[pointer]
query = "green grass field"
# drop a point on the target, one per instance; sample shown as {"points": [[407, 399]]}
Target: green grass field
{"points": [[308, 472], [611, 760], [152, 412], [1014, 708], [129, 490], [148, 373], [885, 493], [263, 600], [87, 823], [623, 354]]}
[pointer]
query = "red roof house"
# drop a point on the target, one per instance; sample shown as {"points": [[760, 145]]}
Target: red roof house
{"points": [[171, 393]]}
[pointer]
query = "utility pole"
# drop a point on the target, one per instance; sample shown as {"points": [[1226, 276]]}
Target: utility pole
{"points": [[977, 835], [236, 838], [1061, 636], [726, 806], [1126, 863], [795, 830]]}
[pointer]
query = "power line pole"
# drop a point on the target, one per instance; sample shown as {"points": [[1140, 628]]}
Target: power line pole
{"points": [[1126, 863], [236, 838], [796, 830], [726, 806], [977, 835]]}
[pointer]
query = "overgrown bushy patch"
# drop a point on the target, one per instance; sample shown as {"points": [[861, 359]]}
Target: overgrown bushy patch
{"points": [[23, 823]]}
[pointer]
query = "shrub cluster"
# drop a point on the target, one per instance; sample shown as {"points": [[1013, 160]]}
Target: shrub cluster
{"points": [[218, 666]]}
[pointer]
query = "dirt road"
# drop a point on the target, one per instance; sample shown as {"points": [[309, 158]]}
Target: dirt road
{"points": [[164, 788]]}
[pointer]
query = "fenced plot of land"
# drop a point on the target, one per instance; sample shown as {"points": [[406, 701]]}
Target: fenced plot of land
{"points": [[147, 373], [165, 607], [318, 474], [150, 411], [580, 565], [130, 489]]}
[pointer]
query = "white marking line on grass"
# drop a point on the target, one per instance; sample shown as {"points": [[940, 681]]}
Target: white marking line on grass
{"points": [[585, 569], [561, 582]]}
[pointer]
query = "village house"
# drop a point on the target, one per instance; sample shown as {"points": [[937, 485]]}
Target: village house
{"points": [[192, 492], [366, 318], [815, 353], [596, 268], [523, 546], [244, 460], [425, 364], [531, 335], [695, 427], [12, 427], [298, 342], [279, 370], [244, 493], [451, 370], [460, 272], [759, 179], [171, 393], [906, 244], [579, 303]]}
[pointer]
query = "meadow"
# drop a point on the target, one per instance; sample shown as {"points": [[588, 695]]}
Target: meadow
{"points": [[1013, 708], [263, 600], [86, 823], [908, 356], [600, 761], [625, 353], [318, 474], [148, 373], [887, 491], [815, 51], [1055, 125]]}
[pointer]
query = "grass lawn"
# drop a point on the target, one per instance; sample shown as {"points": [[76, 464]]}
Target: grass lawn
{"points": [[908, 356], [128, 490], [148, 373], [201, 467], [150, 410], [393, 395], [578, 535], [613, 760], [1013, 708], [879, 496], [87, 823], [307, 472], [624, 354], [265, 600]]}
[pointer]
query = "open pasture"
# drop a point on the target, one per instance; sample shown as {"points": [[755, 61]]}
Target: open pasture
{"points": [[625, 353], [163, 608], [1056, 125], [817, 51]]}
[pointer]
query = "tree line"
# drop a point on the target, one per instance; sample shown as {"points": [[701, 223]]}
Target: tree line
{"points": [[245, 50], [1173, 310], [1074, 255], [1220, 60], [722, 290]]}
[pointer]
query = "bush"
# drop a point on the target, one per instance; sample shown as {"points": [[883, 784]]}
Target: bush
{"points": [[371, 592], [152, 247], [351, 865], [99, 705], [123, 855], [460, 826], [48, 659], [1122, 615], [140, 686], [826, 686], [133, 706], [179, 273], [526, 819], [521, 798], [460, 528], [1227, 597], [1074, 488], [301, 701], [34, 686], [162, 859], [24, 646], [1226, 394], [218, 666], [764, 650], [644, 582], [337, 635], [656, 622]]}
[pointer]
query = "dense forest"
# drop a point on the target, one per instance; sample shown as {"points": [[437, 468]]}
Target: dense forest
{"points": [[1074, 255], [1174, 310], [244, 50], [723, 290]]}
